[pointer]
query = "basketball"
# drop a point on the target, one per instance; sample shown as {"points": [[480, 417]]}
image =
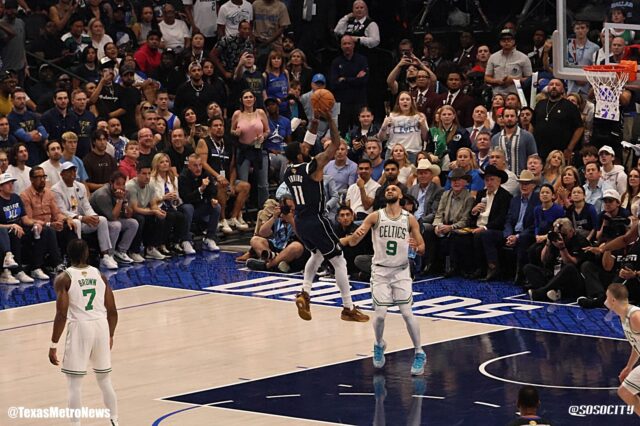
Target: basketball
{"points": [[322, 100]]}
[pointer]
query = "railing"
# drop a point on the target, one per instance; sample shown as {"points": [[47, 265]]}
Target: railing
{"points": [[41, 61]]}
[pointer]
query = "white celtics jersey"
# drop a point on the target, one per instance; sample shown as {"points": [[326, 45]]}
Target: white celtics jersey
{"points": [[391, 240], [632, 336], [86, 294]]}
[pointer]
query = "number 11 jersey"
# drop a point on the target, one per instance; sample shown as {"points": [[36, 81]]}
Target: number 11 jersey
{"points": [[306, 192]]}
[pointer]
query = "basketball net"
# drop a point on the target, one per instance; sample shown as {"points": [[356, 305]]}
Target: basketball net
{"points": [[608, 82]]}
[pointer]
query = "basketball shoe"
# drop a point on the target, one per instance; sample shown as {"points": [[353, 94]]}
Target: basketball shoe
{"points": [[303, 304], [378, 354], [353, 314], [417, 368]]}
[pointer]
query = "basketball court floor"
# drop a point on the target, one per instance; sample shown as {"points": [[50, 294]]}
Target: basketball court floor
{"points": [[203, 341]]}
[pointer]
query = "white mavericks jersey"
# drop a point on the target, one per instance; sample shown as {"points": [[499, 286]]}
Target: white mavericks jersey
{"points": [[391, 240], [632, 337], [86, 294]]}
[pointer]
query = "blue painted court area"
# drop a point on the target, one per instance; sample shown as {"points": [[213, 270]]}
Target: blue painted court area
{"points": [[568, 371], [572, 355], [499, 303]]}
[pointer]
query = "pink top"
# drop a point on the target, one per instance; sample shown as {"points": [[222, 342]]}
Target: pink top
{"points": [[250, 129]]}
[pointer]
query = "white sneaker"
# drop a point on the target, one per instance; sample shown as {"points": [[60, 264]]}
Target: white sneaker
{"points": [[235, 223], [108, 262], [153, 253], [209, 244], [122, 257], [554, 295], [284, 267], [136, 257], [7, 278], [188, 248], [226, 229], [241, 221], [9, 261], [24, 278], [39, 275]]}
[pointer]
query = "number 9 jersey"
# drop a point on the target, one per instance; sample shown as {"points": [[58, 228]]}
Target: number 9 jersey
{"points": [[391, 240]]}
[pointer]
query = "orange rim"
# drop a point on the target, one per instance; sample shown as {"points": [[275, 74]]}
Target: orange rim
{"points": [[625, 67], [606, 68]]}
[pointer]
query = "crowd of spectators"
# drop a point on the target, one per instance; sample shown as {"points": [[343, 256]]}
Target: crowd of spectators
{"points": [[153, 123]]}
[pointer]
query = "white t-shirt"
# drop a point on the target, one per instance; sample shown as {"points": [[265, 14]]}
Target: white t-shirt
{"points": [[53, 173], [204, 15], [22, 176], [100, 46], [174, 35], [406, 131], [231, 14], [355, 201]]}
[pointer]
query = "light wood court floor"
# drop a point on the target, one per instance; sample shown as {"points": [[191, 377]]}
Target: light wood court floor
{"points": [[172, 341]]}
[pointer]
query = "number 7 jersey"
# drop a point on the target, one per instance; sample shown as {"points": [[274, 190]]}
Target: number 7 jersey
{"points": [[306, 192], [86, 294], [391, 240]]}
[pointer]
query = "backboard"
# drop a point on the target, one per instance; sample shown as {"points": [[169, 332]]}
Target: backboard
{"points": [[561, 67]]}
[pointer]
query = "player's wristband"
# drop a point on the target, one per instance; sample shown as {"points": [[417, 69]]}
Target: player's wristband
{"points": [[310, 138], [53, 345]]}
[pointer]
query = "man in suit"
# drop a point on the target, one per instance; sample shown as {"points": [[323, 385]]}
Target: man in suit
{"points": [[426, 193], [479, 118], [451, 217], [425, 95], [428, 196], [465, 57], [463, 104], [519, 228], [490, 214]]}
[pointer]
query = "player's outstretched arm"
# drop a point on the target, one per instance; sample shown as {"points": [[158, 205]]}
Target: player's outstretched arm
{"points": [[362, 230], [327, 155], [112, 311], [414, 230], [61, 286]]}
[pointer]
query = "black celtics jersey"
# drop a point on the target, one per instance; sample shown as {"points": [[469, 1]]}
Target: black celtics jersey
{"points": [[306, 192]]}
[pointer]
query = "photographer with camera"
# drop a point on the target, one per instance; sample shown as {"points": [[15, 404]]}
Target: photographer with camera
{"points": [[410, 65], [613, 265], [561, 258], [276, 243]]}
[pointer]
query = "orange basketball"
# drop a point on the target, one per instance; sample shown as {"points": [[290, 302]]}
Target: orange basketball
{"points": [[322, 100]]}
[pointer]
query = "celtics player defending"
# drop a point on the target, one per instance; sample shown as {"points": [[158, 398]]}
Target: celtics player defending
{"points": [[395, 232], [84, 296], [304, 181], [618, 302]]}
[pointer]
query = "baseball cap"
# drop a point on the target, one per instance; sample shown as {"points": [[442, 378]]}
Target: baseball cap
{"points": [[67, 165], [107, 62], [270, 101], [126, 70], [507, 33], [611, 193], [606, 148], [319, 78], [6, 177]]}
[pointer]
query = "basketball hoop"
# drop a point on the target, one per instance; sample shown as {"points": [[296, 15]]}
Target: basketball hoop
{"points": [[608, 82]]}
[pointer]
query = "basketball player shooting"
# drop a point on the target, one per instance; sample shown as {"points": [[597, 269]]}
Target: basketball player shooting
{"points": [[84, 295], [395, 232], [304, 181]]}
